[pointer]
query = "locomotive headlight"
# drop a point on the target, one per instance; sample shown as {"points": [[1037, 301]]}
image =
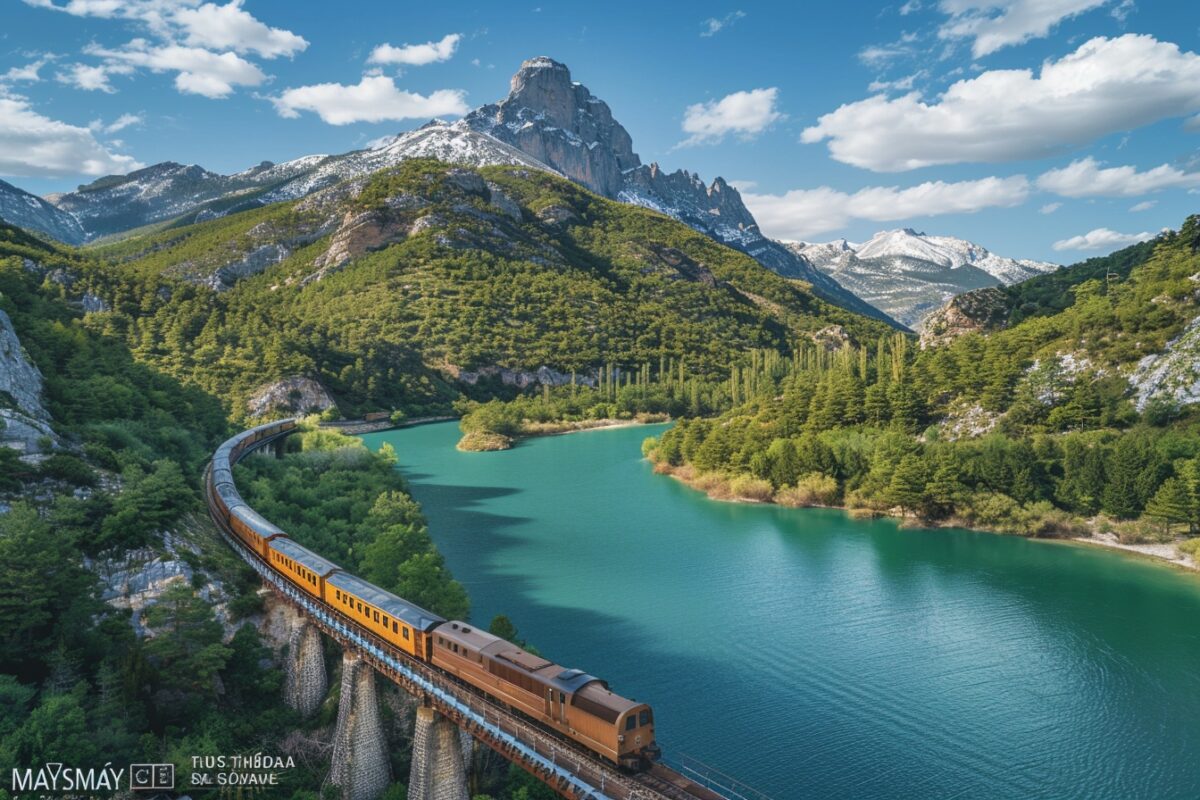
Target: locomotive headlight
{"points": [[621, 738]]}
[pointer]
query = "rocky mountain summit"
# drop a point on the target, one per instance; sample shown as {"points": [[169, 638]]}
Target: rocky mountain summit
{"points": [[561, 123], [910, 275]]}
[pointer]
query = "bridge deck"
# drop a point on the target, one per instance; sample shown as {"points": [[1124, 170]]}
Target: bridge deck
{"points": [[561, 764]]}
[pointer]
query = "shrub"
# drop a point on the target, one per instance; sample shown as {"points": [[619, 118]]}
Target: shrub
{"points": [[747, 487], [1190, 547], [649, 446], [813, 489]]}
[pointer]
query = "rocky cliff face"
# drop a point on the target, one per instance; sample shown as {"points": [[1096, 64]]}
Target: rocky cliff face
{"points": [[560, 123], [28, 211], [979, 311], [25, 420], [294, 395]]}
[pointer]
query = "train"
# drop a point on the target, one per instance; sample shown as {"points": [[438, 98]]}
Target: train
{"points": [[568, 702]]}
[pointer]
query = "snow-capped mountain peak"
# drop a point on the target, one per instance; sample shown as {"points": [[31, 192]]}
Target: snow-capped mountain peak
{"points": [[909, 273]]}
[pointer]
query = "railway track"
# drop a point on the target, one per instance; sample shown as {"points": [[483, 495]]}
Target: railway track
{"points": [[563, 765]]}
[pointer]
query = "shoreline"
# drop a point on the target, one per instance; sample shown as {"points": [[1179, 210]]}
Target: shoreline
{"points": [[1162, 552]]}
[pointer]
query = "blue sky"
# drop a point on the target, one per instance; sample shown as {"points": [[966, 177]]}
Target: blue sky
{"points": [[1050, 129]]}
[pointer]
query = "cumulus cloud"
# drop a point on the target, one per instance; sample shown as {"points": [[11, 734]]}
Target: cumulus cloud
{"points": [[804, 213], [202, 42], [92, 77], [995, 24], [197, 71], [33, 145], [417, 54], [28, 73], [374, 99], [1105, 86], [741, 113], [714, 25], [1086, 178], [1102, 239], [230, 27]]}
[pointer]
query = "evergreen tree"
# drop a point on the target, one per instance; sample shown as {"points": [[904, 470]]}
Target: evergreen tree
{"points": [[907, 485], [1171, 504]]}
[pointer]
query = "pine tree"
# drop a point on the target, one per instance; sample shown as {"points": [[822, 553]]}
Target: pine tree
{"points": [[1171, 504], [907, 486]]}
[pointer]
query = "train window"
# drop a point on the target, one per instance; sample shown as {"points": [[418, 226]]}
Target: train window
{"points": [[406, 633], [395, 627], [337, 593], [631, 722], [644, 717], [377, 616], [360, 608], [385, 620]]}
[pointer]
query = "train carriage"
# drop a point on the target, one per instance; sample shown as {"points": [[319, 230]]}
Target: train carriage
{"points": [[568, 700], [252, 528], [302, 566], [396, 620]]}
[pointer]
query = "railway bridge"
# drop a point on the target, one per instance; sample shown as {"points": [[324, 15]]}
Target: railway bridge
{"points": [[438, 752]]}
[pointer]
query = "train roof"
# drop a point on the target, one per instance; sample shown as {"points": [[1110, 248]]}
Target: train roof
{"points": [[255, 521], [229, 493], [302, 555], [492, 646], [395, 606]]}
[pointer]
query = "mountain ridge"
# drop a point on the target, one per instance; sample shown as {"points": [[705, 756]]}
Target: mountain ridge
{"points": [[910, 274]]}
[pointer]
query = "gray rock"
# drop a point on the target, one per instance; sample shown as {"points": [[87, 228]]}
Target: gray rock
{"points": [[297, 394], [93, 304], [19, 379], [503, 203]]}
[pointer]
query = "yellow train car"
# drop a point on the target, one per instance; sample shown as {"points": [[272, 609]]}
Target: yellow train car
{"points": [[397, 621], [302, 566]]}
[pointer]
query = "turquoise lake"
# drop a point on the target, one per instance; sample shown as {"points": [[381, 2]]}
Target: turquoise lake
{"points": [[811, 655]]}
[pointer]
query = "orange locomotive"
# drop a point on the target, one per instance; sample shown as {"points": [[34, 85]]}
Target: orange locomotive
{"points": [[576, 705]]}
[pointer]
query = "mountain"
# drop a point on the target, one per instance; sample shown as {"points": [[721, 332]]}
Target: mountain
{"points": [[559, 122], [402, 288], [547, 122], [909, 274], [31, 212]]}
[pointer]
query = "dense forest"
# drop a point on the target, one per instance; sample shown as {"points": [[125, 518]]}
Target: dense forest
{"points": [[1032, 429]]}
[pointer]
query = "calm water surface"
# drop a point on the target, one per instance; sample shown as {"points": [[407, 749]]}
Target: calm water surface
{"points": [[816, 656]]}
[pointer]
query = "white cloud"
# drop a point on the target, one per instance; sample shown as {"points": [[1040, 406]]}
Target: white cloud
{"points": [[200, 42], [198, 71], [92, 77], [1102, 239], [1086, 178], [910, 7], [1050, 208], [804, 213], [714, 25], [881, 55], [374, 99], [1105, 86], [742, 113], [28, 73], [229, 27], [900, 84], [416, 54], [119, 124], [1145, 205], [995, 24], [33, 145]]}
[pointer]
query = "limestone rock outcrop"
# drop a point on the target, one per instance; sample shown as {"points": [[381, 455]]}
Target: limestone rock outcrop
{"points": [[297, 394], [973, 312]]}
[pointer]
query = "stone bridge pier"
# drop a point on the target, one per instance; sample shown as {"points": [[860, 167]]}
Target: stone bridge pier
{"points": [[439, 758], [359, 766], [306, 681]]}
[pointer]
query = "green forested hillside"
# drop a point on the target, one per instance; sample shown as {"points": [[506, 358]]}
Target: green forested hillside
{"points": [[1026, 429], [429, 270]]}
